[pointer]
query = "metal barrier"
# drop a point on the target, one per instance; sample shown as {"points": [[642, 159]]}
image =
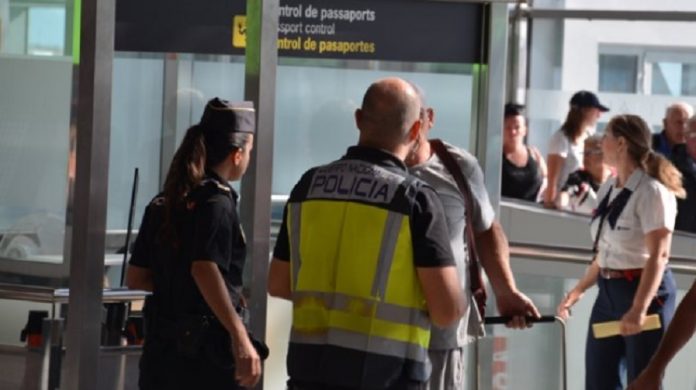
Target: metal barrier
{"points": [[42, 365]]}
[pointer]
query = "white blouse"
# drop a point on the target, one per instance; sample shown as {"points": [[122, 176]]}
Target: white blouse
{"points": [[651, 206], [572, 153]]}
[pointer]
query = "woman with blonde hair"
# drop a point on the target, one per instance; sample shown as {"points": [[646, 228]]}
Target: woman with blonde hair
{"points": [[632, 232]]}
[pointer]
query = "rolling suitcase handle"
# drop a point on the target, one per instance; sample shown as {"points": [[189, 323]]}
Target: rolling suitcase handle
{"points": [[542, 319], [506, 319]]}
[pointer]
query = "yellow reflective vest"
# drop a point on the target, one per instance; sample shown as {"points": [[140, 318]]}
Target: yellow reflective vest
{"points": [[359, 314]]}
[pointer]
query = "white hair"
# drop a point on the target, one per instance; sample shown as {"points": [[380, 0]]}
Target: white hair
{"points": [[680, 106]]}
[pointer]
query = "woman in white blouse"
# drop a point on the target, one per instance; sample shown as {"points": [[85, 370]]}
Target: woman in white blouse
{"points": [[566, 144], [632, 228]]}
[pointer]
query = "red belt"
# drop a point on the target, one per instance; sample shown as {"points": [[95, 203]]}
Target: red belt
{"points": [[628, 274]]}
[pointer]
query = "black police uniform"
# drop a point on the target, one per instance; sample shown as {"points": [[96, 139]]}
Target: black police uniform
{"points": [[208, 230]]}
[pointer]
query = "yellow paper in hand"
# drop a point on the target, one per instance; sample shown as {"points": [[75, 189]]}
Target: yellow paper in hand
{"points": [[613, 328]]}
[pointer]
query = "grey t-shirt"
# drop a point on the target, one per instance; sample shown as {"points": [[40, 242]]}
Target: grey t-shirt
{"points": [[434, 173]]}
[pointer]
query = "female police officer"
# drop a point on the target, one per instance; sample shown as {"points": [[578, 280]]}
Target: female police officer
{"points": [[632, 227], [190, 253]]}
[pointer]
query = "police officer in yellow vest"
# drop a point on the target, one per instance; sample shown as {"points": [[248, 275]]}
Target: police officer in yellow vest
{"points": [[364, 255]]}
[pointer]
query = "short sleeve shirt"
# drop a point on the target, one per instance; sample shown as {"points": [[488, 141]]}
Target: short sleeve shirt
{"points": [[436, 174], [572, 153], [208, 231], [651, 206], [217, 234], [428, 227]]}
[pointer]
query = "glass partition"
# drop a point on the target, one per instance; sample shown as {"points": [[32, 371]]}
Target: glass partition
{"points": [[618, 5], [37, 78], [316, 101], [533, 357]]}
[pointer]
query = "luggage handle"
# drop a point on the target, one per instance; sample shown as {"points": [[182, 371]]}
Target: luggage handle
{"points": [[529, 319], [546, 319]]}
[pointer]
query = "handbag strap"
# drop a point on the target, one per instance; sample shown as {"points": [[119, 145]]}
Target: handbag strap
{"points": [[476, 281]]}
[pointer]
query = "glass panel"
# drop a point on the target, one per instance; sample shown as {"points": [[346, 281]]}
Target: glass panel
{"points": [[46, 32], [35, 107], [666, 78], [316, 100], [533, 357], [689, 80], [136, 134], [632, 5], [618, 73]]}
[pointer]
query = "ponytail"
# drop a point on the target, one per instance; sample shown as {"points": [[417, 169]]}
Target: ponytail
{"points": [[185, 173], [658, 167], [637, 135]]}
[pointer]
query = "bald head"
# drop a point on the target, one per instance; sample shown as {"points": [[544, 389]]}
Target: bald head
{"points": [[676, 116], [678, 108], [389, 110]]}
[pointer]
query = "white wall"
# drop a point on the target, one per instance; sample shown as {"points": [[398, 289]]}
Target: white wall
{"points": [[583, 39]]}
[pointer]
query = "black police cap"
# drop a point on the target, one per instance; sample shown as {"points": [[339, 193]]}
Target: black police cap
{"points": [[222, 116]]}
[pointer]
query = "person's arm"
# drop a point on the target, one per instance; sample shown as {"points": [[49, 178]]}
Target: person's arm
{"points": [[680, 331], [494, 254], [138, 271], [212, 287], [555, 165], [139, 278], [279, 279], [443, 294], [658, 243], [587, 281], [279, 274], [540, 160], [210, 256]]}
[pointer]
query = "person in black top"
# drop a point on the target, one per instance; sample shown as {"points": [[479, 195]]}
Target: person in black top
{"points": [[684, 158], [190, 253], [524, 168]]}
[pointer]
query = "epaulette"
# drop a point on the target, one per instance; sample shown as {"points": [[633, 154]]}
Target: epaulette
{"points": [[205, 189], [216, 184], [157, 200]]}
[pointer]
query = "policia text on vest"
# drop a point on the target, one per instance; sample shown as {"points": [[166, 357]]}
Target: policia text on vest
{"points": [[355, 180]]}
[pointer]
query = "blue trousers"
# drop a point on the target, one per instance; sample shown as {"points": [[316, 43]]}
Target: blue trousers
{"points": [[606, 358]]}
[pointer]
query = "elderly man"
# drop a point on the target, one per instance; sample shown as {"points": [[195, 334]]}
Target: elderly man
{"points": [[363, 253], [684, 158], [674, 126], [448, 352]]}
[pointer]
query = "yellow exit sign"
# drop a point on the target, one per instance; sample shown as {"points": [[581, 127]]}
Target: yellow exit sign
{"points": [[239, 28]]}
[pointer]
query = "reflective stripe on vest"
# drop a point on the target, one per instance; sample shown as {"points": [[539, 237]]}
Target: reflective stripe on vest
{"points": [[353, 279]]}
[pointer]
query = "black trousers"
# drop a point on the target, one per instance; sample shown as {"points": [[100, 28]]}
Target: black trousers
{"points": [[402, 385], [161, 367], [606, 358]]}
